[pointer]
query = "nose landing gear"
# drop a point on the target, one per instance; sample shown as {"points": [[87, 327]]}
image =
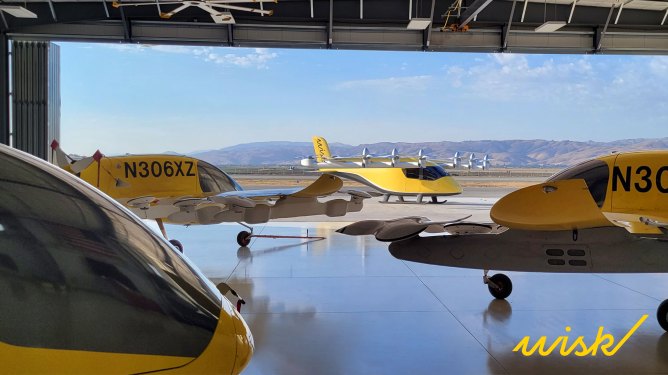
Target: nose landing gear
{"points": [[500, 286], [662, 315]]}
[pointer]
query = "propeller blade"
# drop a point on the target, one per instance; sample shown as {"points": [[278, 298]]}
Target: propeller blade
{"points": [[234, 201], [362, 228], [82, 164]]}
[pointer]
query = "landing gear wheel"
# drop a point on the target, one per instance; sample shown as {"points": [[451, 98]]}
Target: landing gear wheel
{"points": [[177, 244], [502, 286], [243, 238], [662, 315]]}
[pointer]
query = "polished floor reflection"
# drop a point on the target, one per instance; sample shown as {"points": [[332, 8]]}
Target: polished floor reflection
{"points": [[344, 305]]}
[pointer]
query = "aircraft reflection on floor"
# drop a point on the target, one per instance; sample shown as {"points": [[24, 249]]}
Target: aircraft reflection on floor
{"points": [[344, 305], [274, 339], [245, 253]]}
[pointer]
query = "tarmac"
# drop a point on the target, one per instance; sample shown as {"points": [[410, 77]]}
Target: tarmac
{"points": [[344, 305]]}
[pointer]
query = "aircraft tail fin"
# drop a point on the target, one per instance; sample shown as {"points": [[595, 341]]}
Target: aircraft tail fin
{"points": [[61, 159], [321, 149], [58, 156]]}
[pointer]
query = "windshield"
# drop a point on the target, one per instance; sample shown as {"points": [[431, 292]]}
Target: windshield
{"points": [[596, 174], [78, 263], [213, 180], [430, 173]]}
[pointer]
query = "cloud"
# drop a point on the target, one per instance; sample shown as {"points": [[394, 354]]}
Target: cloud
{"points": [[124, 47], [413, 83], [507, 77], [592, 89], [258, 58], [173, 48]]}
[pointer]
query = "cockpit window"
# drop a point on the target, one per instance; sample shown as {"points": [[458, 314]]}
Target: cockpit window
{"points": [[78, 263], [596, 174], [430, 173], [213, 180]]}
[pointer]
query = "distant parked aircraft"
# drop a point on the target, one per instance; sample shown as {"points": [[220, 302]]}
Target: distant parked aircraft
{"points": [[393, 174]]}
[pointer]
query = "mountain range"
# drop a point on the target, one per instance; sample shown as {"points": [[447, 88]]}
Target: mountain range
{"points": [[511, 153]]}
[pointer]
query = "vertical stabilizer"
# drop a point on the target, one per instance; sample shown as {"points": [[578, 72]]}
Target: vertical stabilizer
{"points": [[321, 149]]}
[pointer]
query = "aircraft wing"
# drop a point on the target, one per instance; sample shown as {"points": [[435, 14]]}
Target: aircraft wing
{"points": [[260, 206], [325, 185], [407, 227]]}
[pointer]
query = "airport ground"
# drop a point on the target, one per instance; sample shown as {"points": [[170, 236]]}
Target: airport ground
{"points": [[344, 305]]}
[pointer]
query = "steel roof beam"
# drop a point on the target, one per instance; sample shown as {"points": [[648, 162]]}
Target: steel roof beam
{"points": [[427, 31], [600, 36], [506, 28], [472, 11], [330, 28], [53, 11]]}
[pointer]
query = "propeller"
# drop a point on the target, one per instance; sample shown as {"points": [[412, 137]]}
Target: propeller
{"points": [[209, 6], [472, 160], [486, 162], [233, 201], [422, 158], [394, 157], [76, 166], [397, 229], [457, 160], [365, 156]]}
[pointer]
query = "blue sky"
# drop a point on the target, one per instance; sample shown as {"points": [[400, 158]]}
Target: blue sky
{"points": [[139, 99]]}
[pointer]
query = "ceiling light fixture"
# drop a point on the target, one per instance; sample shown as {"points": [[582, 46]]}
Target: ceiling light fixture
{"points": [[550, 26]]}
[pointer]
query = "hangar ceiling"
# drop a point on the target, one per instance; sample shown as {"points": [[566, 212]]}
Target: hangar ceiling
{"points": [[578, 26]]}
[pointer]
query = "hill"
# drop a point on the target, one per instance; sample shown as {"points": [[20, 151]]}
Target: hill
{"points": [[513, 153]]}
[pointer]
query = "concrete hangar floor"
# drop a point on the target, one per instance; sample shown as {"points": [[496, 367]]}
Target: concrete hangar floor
{"points": [[344, 305]]}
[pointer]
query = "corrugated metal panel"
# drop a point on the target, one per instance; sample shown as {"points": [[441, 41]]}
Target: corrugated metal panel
{"points": [[36, 96], [4, 89]]}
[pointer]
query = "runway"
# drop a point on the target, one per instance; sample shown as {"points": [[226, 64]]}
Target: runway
{"points": [[344, 305]]}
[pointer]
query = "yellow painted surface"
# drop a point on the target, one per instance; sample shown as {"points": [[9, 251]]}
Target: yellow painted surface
{"points": [[230, 348], [570, 206], [393, 180], [228, 352], [637, 190], [321, 149], [127, 177], [23, 360], [324, 185], [646, 175]]}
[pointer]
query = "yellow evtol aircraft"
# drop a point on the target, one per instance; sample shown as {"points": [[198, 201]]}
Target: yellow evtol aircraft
{"points": [[606, 215], [87, 288], [185, 190], [390, 174]]}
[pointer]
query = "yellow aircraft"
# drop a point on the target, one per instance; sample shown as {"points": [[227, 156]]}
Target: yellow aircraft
{"points": [[185, 190], [88, 288], [390, 174], [606, 215]]}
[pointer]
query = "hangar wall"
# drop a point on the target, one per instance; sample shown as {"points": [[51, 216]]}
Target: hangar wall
{"points": [[4, 89], [35, 98]]}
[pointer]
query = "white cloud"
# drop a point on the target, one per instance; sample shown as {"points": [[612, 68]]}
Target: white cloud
{"points": [[659, 65], [414, 83], [257, 58], [124, 47], [507, 77], [173, 48]]}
